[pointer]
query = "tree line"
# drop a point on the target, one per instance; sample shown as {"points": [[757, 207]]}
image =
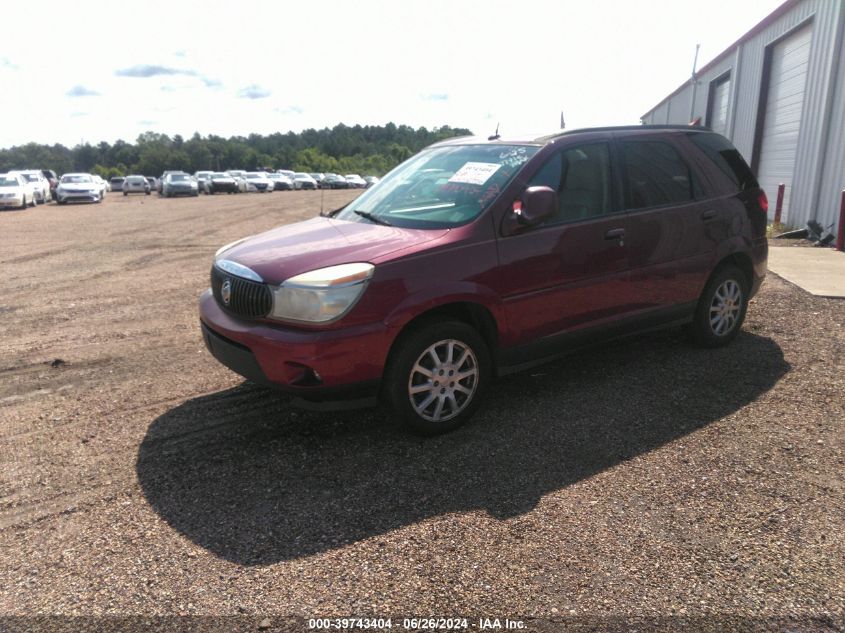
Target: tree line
{"points": [[366, 150]]}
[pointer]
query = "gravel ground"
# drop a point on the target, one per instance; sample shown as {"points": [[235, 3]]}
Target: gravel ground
{"points": [[645, 480]]}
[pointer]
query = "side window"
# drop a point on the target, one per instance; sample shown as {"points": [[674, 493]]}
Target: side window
{"points": [[581, 177], [655, 174]]}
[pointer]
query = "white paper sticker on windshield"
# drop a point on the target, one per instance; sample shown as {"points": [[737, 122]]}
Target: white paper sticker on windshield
{"points": [[475, 173]]}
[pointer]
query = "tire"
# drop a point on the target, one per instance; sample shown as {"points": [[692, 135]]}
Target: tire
{"points": [[416, 397], [125, 194], [721, 308], [32, 202], [24, 204], [146, 193]]}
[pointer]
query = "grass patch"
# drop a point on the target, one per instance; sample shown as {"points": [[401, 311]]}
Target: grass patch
{"points": [[775, 228]]}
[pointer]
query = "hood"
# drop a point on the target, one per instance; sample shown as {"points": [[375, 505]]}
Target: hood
{"points": [[78, 185], [297, 248]]}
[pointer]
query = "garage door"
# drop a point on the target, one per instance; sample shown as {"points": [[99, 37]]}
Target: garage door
{"points": [[782, 122]]}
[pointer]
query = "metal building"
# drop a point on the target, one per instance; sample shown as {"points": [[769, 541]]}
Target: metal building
{"points": [[779, 94]]}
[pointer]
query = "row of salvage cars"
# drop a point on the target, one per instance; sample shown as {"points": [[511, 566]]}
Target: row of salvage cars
{"points": [[30, 187]]}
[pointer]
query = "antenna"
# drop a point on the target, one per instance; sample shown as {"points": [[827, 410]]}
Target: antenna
{"points": [[562, 122], [495, 134]]}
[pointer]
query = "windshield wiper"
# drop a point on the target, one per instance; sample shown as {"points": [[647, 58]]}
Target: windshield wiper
{"points": [[372, 218]]}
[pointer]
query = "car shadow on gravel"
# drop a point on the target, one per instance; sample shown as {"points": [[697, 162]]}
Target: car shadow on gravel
{"points": [[255, 481]]}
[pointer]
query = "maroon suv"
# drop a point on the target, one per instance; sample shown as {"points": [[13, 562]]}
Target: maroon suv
{"points": [[478, 257]]}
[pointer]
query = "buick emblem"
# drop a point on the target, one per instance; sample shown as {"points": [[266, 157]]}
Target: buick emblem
{"points": [[226, 291]]}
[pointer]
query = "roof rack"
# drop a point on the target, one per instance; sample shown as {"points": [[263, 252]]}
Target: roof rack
{"points": [[624, 128]]}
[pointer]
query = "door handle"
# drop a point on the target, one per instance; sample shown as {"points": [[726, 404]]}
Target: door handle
{"points": [[615, 234], [708, 215]]}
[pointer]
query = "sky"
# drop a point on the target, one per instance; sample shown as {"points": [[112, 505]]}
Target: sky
{"points": [[93, 71]]}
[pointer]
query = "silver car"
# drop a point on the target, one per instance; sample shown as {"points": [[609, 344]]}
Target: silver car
{"points": [[179, 184], [136, 184]]}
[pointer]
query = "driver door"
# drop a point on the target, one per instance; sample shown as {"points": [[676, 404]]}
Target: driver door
{"points": [[572, 271]]}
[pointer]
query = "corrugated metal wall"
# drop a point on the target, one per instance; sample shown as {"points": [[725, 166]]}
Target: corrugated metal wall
{"points": [[819, 172]]}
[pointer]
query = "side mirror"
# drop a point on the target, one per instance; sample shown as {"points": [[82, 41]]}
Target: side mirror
{"points": [[533, 207]]}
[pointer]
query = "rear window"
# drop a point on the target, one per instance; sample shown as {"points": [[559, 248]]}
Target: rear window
{"points": [[656, 175], [727, 158]]}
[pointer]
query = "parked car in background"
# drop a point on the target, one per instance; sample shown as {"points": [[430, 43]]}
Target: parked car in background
{"points": [[280, 182], [116, 183], [104, 186], [286, 172], [160, 182], [39, 185], [219, 182], [53, 179], [371, 180], [136, 184], [318, 178], [15, 192], [530, 249], [201, 177], [240, 178], [355, 181], [334, 181], [258, 181], [153, 183], [78, 187], [304, 181], [179, 184]]}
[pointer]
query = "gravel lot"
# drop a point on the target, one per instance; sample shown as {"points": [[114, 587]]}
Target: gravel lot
{"points": [[644, 479]]}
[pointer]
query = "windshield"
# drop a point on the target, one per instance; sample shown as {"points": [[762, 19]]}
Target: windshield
{"points": [[31, 177], [9, 181], [80, 178], [219, 175], [179, 177], [442, 187]]}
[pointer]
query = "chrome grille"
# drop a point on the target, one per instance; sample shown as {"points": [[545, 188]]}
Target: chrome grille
{"points": [[247, 299]]}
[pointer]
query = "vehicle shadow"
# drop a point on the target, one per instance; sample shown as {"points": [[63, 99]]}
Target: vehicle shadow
{"points": [[255, 481]]}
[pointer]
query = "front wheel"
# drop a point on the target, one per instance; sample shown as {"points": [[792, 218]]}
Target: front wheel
{"points": [[436, 377], [721, 308]]}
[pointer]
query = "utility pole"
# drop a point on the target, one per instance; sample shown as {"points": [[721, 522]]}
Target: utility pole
{"points": [[694, 84]]}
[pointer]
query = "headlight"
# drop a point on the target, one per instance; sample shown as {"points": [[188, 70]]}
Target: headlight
{"points": [[321, 295]]}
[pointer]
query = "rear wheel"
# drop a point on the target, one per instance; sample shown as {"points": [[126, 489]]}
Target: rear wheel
{"points": [[721, 308], [436, 376]]}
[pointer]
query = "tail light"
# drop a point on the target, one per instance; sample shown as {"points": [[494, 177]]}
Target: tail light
{"points": [[763, 201]]}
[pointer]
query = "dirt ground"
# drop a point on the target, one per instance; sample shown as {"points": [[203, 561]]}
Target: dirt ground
{"points": [[645, 478]]}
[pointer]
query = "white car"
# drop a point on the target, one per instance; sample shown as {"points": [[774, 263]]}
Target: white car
{"points": [[355, 181], [304, 181], [39, 185], [258, 181], [104, 186], [240, 178], [78, 187], [15, 192]]}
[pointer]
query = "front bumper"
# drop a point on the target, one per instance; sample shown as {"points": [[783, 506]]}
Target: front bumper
{"points": [[78, 196], [12, 201], [312, 364], [222, 186]]}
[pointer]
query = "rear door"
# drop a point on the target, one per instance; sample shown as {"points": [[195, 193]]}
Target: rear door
{"points": [[572, 271], [672, 241]]}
